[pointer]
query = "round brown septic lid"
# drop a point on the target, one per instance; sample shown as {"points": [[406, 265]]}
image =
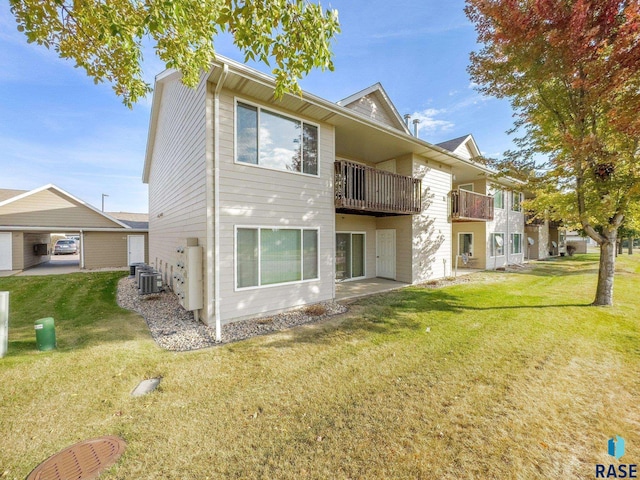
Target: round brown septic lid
{"points": [[82, 461]]}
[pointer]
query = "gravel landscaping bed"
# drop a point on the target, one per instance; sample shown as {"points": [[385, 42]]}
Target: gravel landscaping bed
{"points": [[174, 328]]}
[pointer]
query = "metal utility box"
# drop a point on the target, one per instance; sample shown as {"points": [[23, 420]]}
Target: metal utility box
{"points": [[188, 279]]}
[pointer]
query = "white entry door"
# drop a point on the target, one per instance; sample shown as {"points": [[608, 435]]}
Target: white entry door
{"points": [[386, 253], [135, 244], [6, 251]]}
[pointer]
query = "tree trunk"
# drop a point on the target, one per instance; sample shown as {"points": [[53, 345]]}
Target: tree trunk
{"points": [[606, 272], [631, 239], [619, 250]]}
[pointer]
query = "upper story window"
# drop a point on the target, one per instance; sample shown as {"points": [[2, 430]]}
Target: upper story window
{"points": [[498, 199], [275, 141], [516, 204]]}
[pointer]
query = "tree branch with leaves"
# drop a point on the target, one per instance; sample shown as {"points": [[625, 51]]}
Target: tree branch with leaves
{"points": [[106, 37], [571, 70]]}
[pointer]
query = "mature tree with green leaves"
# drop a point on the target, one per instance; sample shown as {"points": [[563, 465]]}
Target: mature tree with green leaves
{"points": [[571, 70], [105, 37]]}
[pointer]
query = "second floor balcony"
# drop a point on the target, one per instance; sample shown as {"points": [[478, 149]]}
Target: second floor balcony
{"points": [[364, 190], [469, 206]]}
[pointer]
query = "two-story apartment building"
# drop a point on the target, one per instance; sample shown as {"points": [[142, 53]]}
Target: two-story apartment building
{"points": [[488, 227], [287, 197]]}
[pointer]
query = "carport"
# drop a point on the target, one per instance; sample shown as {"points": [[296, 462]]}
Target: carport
{"points": [[29, 218]]}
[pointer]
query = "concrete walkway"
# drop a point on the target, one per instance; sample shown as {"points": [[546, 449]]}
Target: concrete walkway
{"points": [[370, 286], [58, 265]]}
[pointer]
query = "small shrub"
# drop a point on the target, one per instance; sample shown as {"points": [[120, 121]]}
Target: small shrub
{"points": [[315, 310], [571, 250], [265, 321]]}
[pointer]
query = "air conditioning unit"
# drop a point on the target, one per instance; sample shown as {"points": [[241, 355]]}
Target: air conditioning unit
{"points": [[150, 283], [140, 269], [132, 268]]}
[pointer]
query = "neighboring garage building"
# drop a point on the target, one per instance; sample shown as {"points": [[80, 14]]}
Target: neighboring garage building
{"points": [[28, 218]]}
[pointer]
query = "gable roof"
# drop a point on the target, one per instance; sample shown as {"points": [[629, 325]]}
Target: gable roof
{"points": [[375, 96], [134, 220], [464, 145], [64, 195]]}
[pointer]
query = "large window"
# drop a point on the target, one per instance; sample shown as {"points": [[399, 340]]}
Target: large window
{"points": [[269, 256], [275, 141], [516, 243], [516, 204], [497, 244], [465, 244], [498, 199]]}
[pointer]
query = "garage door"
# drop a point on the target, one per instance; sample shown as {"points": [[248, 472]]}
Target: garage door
{"points": [[6, 254]]}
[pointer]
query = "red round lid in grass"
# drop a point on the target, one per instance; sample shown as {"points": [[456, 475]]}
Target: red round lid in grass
{"points": [[82, 461]]}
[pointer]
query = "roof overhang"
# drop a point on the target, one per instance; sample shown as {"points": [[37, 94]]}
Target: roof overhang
{"points": [[356, 136], [59, 229]]}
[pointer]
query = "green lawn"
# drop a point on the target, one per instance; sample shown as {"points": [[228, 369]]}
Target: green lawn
{"points": [[512, 375]]}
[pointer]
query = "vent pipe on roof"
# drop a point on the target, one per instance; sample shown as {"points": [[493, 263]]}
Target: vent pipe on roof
{"points": [[407, 117], [416, 121]]}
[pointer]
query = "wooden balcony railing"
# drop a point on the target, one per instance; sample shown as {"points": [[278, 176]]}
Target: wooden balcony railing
{"points": [[470, 206], [364, 190]]}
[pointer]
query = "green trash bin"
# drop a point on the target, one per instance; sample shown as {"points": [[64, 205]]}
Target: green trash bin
{"points": [[45, 334]]}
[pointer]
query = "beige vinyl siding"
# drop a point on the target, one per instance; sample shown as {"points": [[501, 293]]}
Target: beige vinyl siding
{"points": [[361, 224], [463, 151], [540, 235], [17, 251], [479, 259], [177, 195], [48, 208], [107, 249], [431, 228], [479, 186], [370, 106], [403, 226], [505, 221], [28, 241], [255, 196]]}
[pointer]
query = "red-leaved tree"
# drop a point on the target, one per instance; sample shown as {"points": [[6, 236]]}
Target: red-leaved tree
{"points": [[571, 69]]}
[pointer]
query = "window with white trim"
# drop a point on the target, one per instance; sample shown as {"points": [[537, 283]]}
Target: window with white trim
{"points": [[465, 244], [516, 243], [498, 198], [275, 141], [516, 203], [497, 244], [270, 256]]}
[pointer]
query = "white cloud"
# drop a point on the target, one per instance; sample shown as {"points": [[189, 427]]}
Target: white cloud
{"points": [[429, 123]]}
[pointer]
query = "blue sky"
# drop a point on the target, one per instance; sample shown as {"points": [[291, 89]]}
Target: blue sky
{"points": [[57, 126]]}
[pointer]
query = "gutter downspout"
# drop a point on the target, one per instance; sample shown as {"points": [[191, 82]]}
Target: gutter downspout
{"points": [[213, 224]]}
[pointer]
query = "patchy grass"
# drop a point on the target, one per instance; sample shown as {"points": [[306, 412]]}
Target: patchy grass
{"points": [[512, 375]]}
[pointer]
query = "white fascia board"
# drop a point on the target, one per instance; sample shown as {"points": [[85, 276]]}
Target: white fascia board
{"points": [[160, 81], [22, 228]]}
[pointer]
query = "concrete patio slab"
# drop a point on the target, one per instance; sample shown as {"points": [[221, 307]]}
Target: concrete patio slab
{"points": [[368, 286]]}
